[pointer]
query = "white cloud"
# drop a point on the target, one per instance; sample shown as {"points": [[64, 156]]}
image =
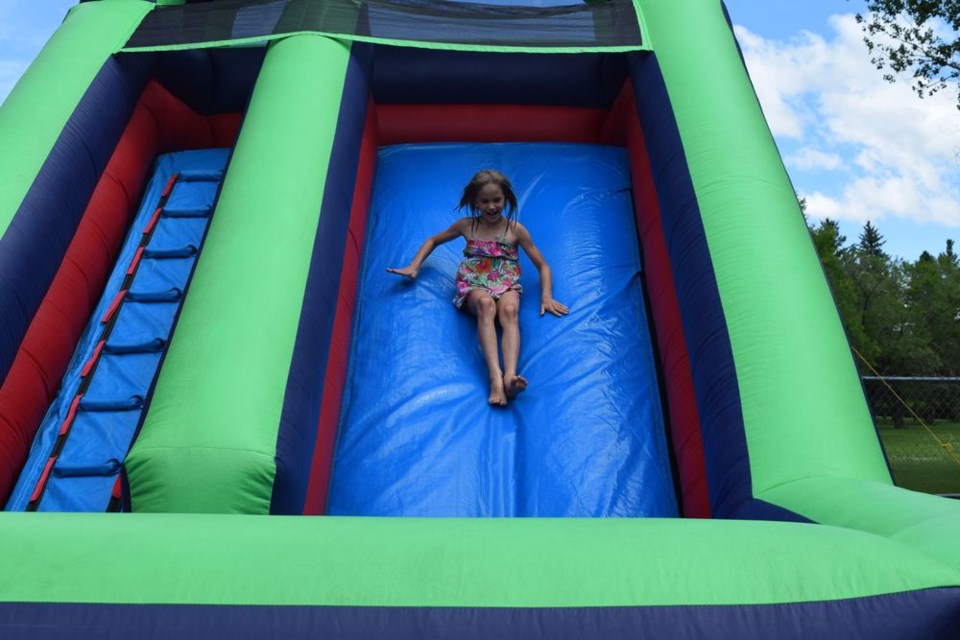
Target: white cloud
{"points": [[778, 92], [809, 158], [897, 155], [873, 198]]}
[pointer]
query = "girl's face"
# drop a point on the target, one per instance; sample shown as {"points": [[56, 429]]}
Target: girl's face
{"points": [[490, 203]]}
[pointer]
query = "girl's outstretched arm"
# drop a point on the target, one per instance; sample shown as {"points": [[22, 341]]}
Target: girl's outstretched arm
{"points": [[547, 303], [431, 243]]}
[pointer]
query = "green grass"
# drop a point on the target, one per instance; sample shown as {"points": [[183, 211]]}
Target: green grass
{"points": [[918, 462]]}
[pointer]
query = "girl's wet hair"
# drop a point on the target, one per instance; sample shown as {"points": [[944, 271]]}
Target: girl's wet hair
{"points": [[478, 181]]}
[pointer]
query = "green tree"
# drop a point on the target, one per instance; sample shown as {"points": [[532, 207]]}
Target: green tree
{"points": [[946, 323], [933, 300], [879, 327], [914, 352], [869, 269], [876, 302], [921, 37], [835, 259], [827, 238], [903, 318], [871, 240]]}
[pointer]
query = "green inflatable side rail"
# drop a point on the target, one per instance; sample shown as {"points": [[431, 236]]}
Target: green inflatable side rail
{"points": [[208, 442], [73, 57], [439, 562], [925, 522], [812, 444], [803, 407]]}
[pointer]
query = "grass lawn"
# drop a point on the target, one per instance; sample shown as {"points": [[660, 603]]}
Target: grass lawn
{"points": [[918, 462]]}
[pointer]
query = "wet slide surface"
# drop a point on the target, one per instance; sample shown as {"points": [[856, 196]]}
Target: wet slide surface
{"points": [[417, 437]]}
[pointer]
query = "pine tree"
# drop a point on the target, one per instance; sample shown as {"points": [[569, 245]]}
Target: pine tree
{"points": [[871, 242]]}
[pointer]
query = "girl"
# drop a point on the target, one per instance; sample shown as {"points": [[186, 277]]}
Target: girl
{"points": [[488, 279]]}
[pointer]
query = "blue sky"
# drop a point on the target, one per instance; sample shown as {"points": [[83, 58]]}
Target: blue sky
{"points": [[857, 147], [25, 25]]}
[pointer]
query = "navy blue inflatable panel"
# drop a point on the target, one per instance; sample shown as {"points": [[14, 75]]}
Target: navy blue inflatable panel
{"points": [[33, 246], [403, 75], [211, 81], [701, 310], [930, 614], [417, 437]]}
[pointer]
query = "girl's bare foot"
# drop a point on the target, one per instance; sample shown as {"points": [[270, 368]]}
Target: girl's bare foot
{"points": [[514, 385], [498, 397]]}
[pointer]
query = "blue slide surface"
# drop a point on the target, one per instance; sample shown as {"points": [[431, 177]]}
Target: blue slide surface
{"points": [[417, 437]]}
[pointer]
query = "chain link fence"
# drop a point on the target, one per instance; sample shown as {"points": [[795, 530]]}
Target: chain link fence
{"points": [[918, 419], [930, 398]]}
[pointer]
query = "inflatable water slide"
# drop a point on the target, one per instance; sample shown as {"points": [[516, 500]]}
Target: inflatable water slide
{"points": [[221, 417]]}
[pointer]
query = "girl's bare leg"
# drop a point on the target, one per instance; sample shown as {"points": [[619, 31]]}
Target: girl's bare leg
{"points": [[508, 307], [485, 308]]}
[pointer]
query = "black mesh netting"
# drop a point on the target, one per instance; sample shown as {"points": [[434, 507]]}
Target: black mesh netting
{"points": [[595, 25]]}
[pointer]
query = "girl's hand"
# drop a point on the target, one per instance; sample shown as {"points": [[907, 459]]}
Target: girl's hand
{"points": [[409, 272], [556, 308]]}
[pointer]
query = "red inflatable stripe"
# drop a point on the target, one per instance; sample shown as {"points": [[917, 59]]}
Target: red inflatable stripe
{"points": [[407, 123], [684, 417]]}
